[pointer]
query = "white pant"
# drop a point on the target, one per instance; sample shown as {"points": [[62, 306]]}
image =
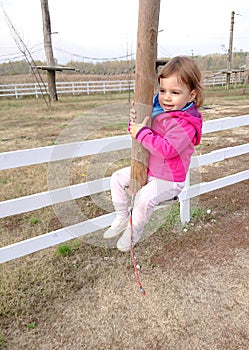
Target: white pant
{"points": [[150, 195]]}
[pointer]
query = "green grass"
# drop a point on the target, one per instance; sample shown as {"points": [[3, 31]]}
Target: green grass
{"points": [[33, 220], [236, 98], [68, 248], [31, 325], [2, 342], [65, 249], [240, 93], [172, 219], [4, 180], [197, 213]]}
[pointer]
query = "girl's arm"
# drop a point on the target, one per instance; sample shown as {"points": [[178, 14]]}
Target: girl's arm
{"points": [[134, 128], [174, 142]]}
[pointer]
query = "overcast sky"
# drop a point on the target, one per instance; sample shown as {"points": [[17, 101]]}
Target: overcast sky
{"points": [[108, 28]]}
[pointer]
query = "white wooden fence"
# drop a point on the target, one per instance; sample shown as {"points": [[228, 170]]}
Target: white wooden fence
{"points": [[72, 88], [41, 155], [221, 80], [91, 87]]}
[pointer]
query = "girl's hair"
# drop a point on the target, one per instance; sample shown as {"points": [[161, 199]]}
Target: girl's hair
{"points": [[187, 72]]}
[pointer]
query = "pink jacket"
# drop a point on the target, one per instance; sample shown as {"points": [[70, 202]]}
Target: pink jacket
{"points": [[170, 142]]}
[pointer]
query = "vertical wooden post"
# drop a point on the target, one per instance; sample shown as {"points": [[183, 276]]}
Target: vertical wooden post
{"points": [[48, 50], [145, 76], [247, 69], [230, 52]]}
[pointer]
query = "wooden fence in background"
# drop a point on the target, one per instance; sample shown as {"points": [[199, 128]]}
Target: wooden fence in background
{"points": [[91, 87], [71, 88]]}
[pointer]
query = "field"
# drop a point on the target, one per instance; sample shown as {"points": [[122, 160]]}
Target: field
{"points": [[85, 296]]}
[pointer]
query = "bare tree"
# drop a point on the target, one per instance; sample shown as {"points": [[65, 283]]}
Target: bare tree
{"points": [[49, 51]]}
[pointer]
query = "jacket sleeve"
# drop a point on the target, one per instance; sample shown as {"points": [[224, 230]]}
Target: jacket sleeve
{"points": [[175, 140]]}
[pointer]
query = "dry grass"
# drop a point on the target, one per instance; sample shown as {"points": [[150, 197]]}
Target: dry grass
{"points": [[196, 280]]}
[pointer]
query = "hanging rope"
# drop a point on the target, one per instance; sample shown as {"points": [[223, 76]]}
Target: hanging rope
{"points": [[131, 250]]}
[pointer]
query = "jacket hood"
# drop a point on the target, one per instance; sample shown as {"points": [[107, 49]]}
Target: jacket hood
{"points": [[191, 115], [157, 109]]}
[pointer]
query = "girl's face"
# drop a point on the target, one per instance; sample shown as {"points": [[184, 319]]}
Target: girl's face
{"points": [[174, 95]]}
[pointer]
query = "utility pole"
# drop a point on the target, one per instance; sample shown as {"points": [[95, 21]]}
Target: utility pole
{"points": [[145, 74], [230, 52], [247, 68], [49, 51]]}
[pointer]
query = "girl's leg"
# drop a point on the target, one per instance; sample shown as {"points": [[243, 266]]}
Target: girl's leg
{"points": [[150, 195], [119, 181]]}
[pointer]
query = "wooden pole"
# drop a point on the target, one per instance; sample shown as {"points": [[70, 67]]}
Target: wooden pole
{"points": [[247, 69], [230, 52], [145, 77], [48, 50]]}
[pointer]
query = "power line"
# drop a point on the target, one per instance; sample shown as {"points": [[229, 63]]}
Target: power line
{"points": [[15, 56], [27, 54], [164, 51], [95, 58]]}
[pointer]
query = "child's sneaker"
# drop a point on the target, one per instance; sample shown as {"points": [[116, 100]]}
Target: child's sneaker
{"points": [[124, 241], [117, 226]]}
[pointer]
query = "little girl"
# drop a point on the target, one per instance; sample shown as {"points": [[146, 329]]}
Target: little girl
{"points": [[176, 129]]}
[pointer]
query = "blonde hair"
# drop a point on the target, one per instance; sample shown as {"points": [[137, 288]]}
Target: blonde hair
{"points": [[187, 72]]}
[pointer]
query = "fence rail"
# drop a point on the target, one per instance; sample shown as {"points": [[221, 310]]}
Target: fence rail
{"points": [[91, 87], [72, 88], [9, 160], [221, 80]]}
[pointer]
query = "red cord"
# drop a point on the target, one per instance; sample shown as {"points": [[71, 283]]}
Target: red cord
{"points": [[133, 257]]}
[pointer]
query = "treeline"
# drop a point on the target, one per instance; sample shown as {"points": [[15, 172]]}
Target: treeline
{"points": [[216, 62], [213, 62], [99, 68], [103, 68]]}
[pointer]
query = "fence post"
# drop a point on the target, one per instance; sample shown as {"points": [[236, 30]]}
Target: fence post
{"points": [[185, 204], [36, 92], [16, 92]]}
